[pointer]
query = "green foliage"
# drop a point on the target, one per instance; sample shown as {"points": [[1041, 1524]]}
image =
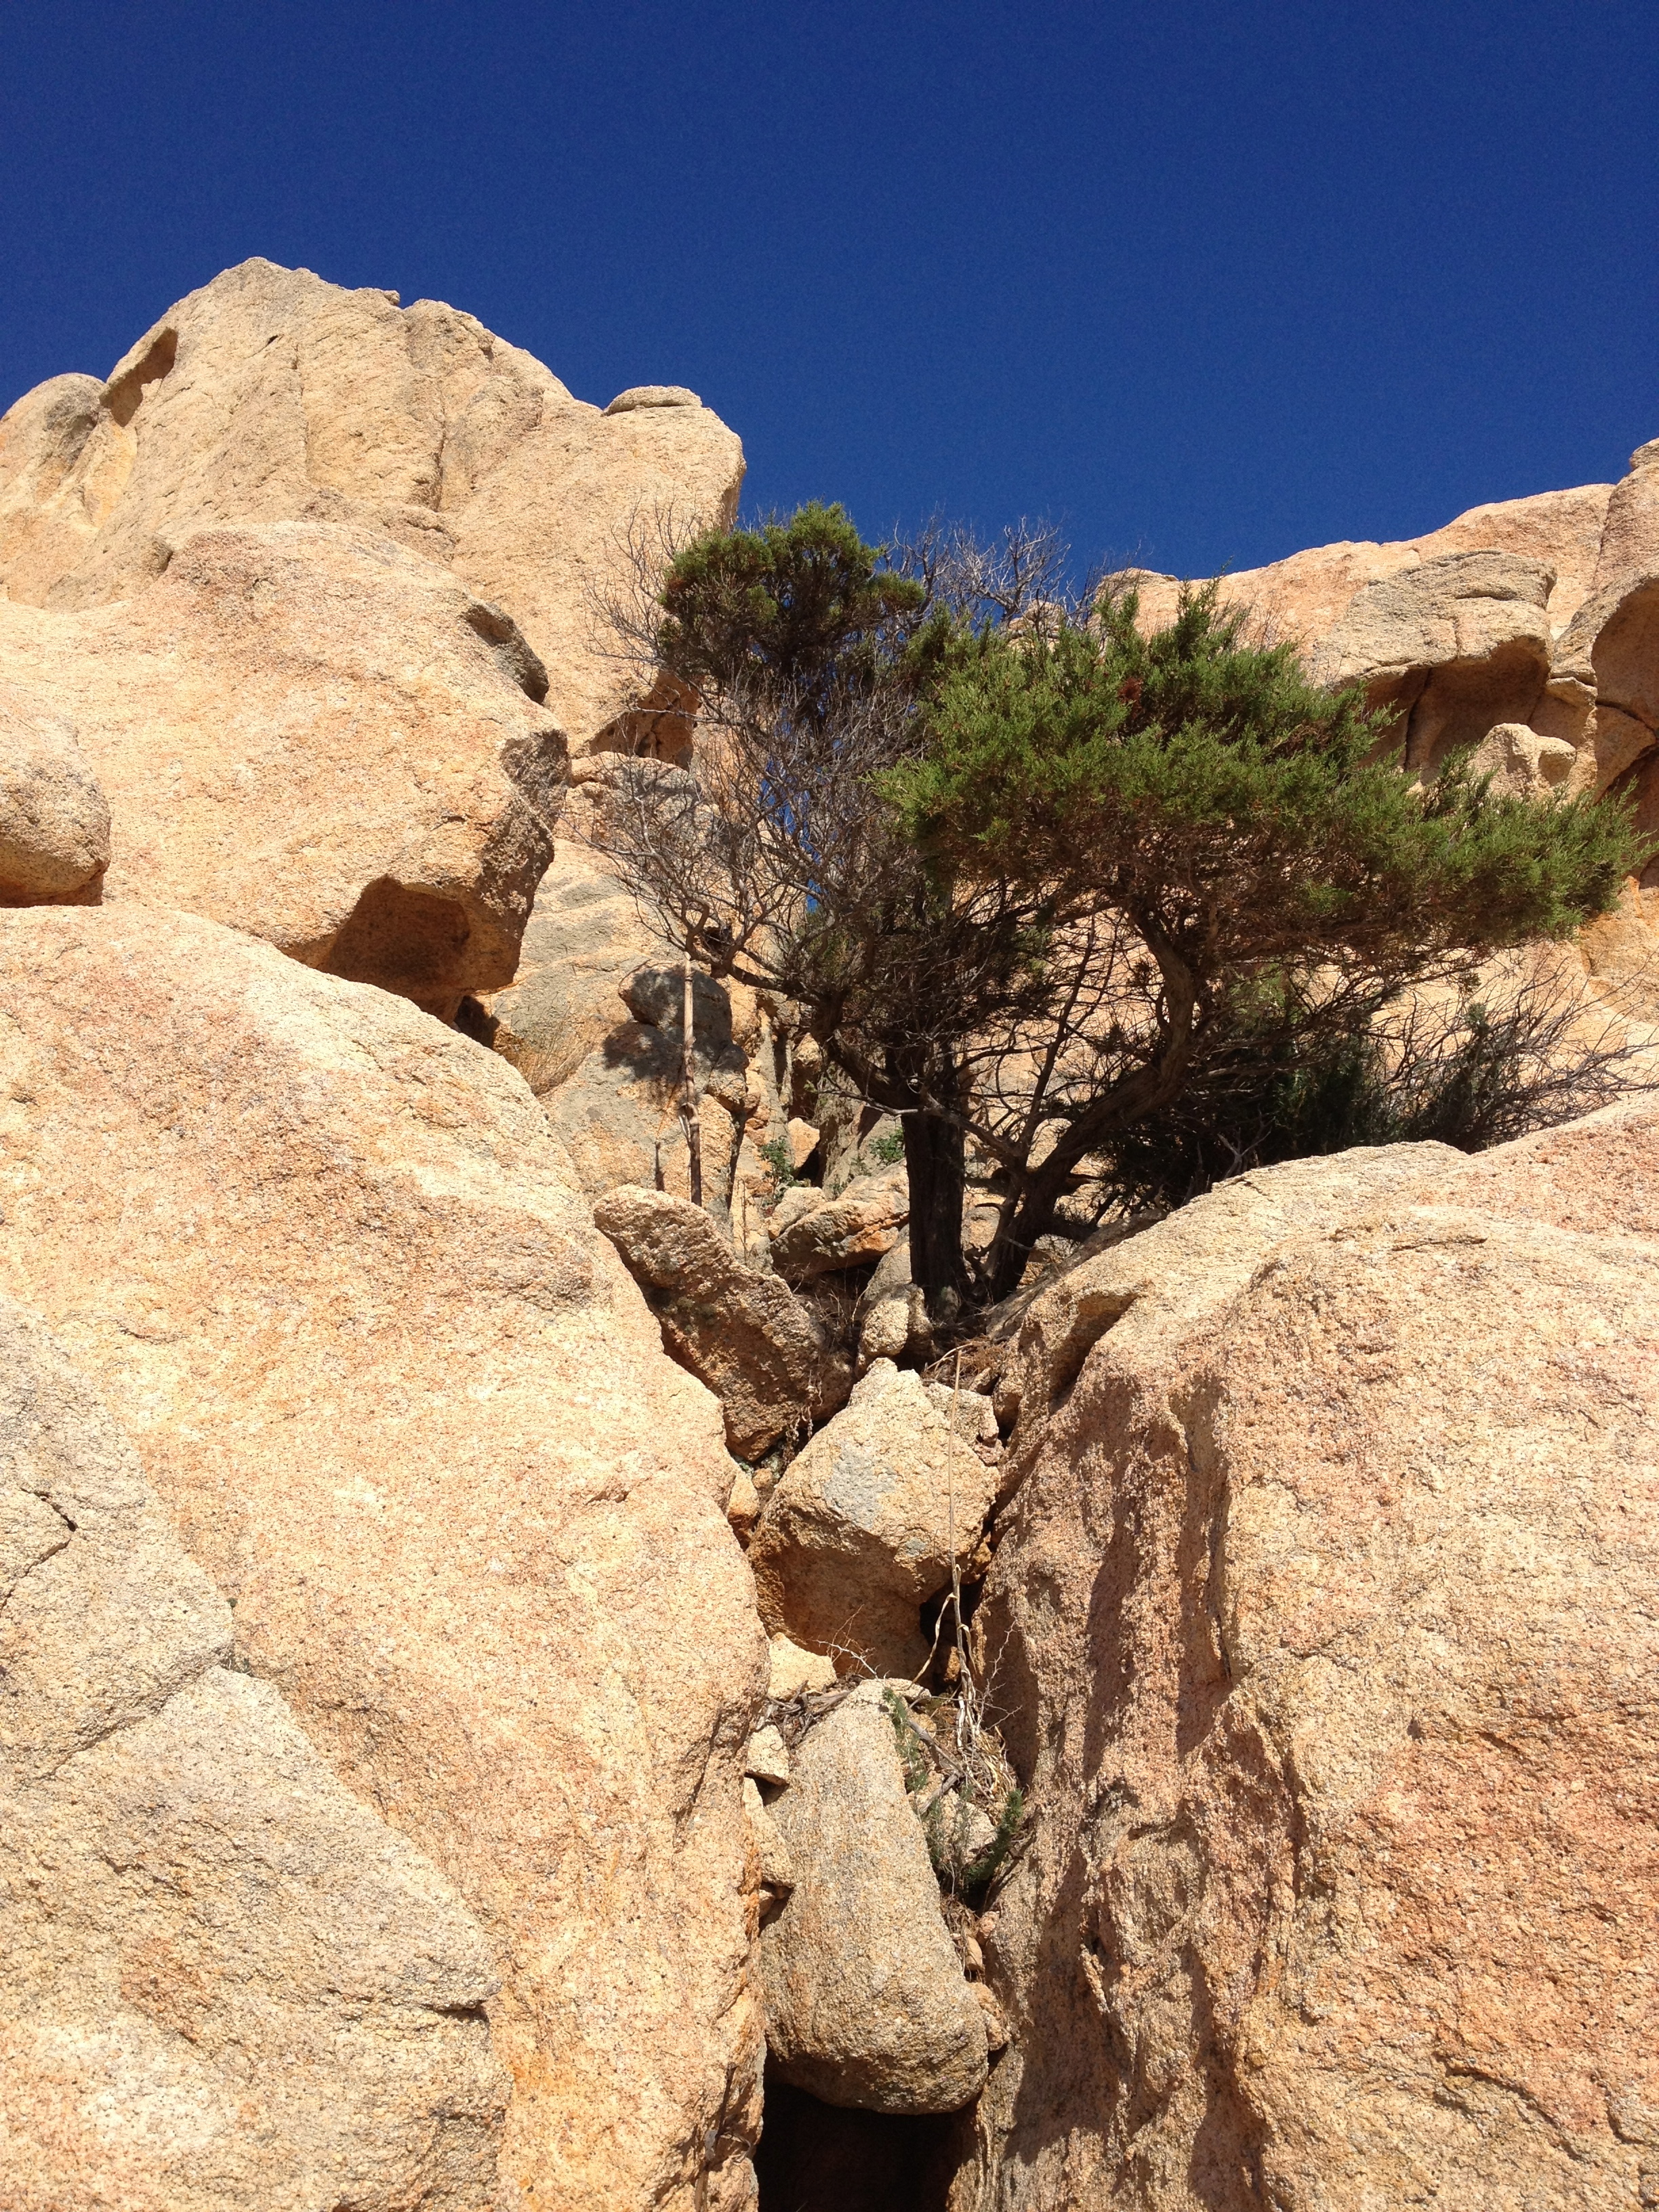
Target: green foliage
{"points": [[1476, 1074], [1207, 787], [916, 1754], [1037, 879], [776, 1153], [946, 1799], [802, 606], [978, 1872], [886, 1148]]}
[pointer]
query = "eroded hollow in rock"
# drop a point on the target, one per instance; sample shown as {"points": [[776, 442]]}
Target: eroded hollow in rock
{"points": [[125, 395], [828, 2158]]}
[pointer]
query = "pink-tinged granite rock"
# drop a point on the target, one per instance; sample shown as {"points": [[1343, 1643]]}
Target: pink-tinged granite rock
{"points": [[1325, 1633], [407, 1413], [270, 395], [309, 734], [229, 1985], [54, 817]]}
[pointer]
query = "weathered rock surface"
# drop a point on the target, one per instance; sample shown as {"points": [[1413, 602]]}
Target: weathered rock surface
{"points": [[270, 395], [764, 1355], [408, 1412], [1569, 659], [1629, 537], [1322, 1614], [54, 817], [1302, 597], [819, 1235], [1450, 647], [1407, 619], [314, 737], [775, 1869], [618, 1111], [1604, 692], [892, 1312], [858, 1533], [1522, 764], [228, 1984], [594, 1021], [794, 1669], [866, 2001], [583, 941]]}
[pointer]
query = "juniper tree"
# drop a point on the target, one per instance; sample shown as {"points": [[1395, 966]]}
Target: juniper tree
{"points": [[1031, 874]]}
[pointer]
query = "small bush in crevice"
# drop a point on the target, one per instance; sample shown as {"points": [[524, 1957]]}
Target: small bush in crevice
{"points": [[777, 1158], [964, 1792], [1470, 1073]]}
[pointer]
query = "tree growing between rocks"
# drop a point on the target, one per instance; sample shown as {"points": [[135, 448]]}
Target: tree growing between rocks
{"points": [[1032, 876]]}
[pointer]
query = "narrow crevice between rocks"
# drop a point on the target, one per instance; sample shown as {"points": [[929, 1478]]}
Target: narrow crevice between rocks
{"points": [[814, 2157]]}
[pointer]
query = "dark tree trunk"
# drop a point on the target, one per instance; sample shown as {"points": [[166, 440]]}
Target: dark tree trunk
{"points": [[1149, 1089], [935, 1165], [1033, 1216]]}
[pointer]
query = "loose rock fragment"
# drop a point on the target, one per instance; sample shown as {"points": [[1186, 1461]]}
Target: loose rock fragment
{"points": [[866, 2001]]}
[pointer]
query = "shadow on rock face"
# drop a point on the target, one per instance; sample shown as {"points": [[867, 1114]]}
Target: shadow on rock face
{"points": [[407, 940]]}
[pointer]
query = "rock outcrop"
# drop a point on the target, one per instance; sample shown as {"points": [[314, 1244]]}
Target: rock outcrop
{"points": [[858, 1534], [1541, 615], [1520, 763], [270, 395], [594, 1019], [412, 1418], [228, 1984], [1322, 1621], [308, 735], [766, 1357], [1302, 597], [582, 943], [814, 1235], [865, 2000], [1449, 649], [54, 817]]}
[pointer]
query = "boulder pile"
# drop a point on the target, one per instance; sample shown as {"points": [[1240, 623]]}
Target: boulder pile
{"points": [[513, 1664]]}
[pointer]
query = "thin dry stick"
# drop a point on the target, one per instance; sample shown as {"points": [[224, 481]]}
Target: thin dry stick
{"points": [[688, 1113], [963, 1679]]}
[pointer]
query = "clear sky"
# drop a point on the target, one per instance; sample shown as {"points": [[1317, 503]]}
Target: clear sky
{"points": [[1208, 281]]}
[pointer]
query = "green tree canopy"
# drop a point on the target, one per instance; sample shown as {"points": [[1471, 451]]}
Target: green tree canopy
{"points": [[1029, 873]]}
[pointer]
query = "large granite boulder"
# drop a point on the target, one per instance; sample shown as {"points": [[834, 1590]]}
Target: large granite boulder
{"points": [[412, 1418], [307, 733], [865, 2000], [1302, 599], [1449, 649], [270, 395], [1630, 535], [229, 1985], [813, 1234], [868, 1518], [1324, 1627]]}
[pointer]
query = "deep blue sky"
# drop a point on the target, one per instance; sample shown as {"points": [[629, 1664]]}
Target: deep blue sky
{"points": [[1208, 281]]}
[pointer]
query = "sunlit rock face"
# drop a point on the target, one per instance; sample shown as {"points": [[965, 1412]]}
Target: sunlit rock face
{"points": [[1320, 1620]]}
